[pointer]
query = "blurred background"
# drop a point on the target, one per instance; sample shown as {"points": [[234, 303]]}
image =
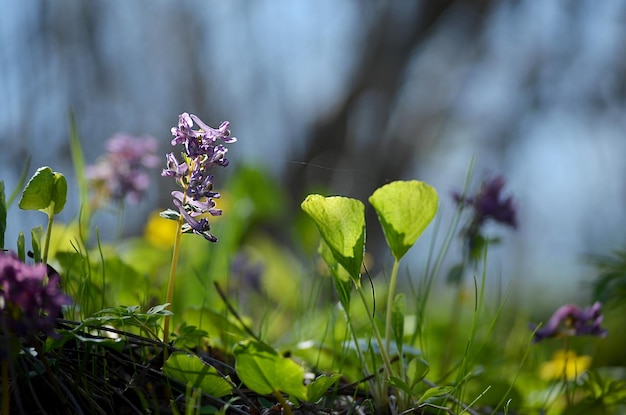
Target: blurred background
{"points": [[342, 97]]}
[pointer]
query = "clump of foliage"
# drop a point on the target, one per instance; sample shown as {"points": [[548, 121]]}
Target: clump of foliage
{"points": [[247, 327]]}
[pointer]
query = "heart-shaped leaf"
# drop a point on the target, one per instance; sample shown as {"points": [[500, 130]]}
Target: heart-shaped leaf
{"points": [[266, 372], [404, 209], [46, 191], [190, 370], [341, 223], [341, 278]]}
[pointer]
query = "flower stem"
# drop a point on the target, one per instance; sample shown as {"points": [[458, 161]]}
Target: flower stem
{"points": [[281, 400], [171, 281], [48, 235], [390, 295], [383, 352]]}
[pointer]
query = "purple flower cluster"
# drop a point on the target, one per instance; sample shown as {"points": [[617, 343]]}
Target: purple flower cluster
{"points": [[203, 151], [571, 320], [27, 305], [122, 171]]}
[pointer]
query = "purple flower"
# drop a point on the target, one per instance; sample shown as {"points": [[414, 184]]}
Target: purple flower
{"points": [[204, 150], [199, 227], [174, 169], [570, 320], [196, 207], [27, 305], [489, 203], [122, 171], [199, 142]]}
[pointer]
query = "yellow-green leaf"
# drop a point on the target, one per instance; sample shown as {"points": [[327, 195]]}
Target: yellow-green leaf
{"points": [[190, 370], [404, 209], [265, 372], [341, 223]]}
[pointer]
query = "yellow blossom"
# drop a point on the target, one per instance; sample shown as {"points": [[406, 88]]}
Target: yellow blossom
{"points": [[565, 364], [160, 231]]}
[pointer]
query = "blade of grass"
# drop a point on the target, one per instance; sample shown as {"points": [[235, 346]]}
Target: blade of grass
{"points": [[20, 183], [432, 273], [78, 159], [479, 296]]}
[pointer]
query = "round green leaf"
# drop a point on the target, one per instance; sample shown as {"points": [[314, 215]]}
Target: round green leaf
{"points": [[59, 192], [404, 209], [46, 191], [264, 371], [189, 369], [341, 278], [37, 194], [341, 223]]}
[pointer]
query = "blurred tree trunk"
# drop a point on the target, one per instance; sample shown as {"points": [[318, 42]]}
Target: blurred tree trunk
{"points": [[333, 158]]}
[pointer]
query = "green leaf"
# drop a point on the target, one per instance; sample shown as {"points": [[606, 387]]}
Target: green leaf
{"points": [[3, 214], [400, 384], [404, 209], [60, 192], [321, 384], [397, 319], [417, 370], [190, 370], [36, 234], [341, 223], [435, 394], [21, 246], [63, 336], [265, 372], [170, 214], [46, 191], [341, 278]]}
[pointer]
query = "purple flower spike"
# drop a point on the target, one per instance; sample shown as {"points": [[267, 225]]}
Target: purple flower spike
{"points": [[204, 149], [122, 172], [570, 320]]}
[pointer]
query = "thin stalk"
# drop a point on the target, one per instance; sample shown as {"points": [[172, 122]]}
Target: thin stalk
{"points": [[479, 298], [390, 295], [377, 390], [281, 400], [48, 235], [377, 336], [172, 280]]}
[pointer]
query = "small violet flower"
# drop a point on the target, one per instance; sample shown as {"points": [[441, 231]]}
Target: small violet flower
{"points": [[27, 305], [571, 320], [204, 150], [487, 204], [122, 171]]}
